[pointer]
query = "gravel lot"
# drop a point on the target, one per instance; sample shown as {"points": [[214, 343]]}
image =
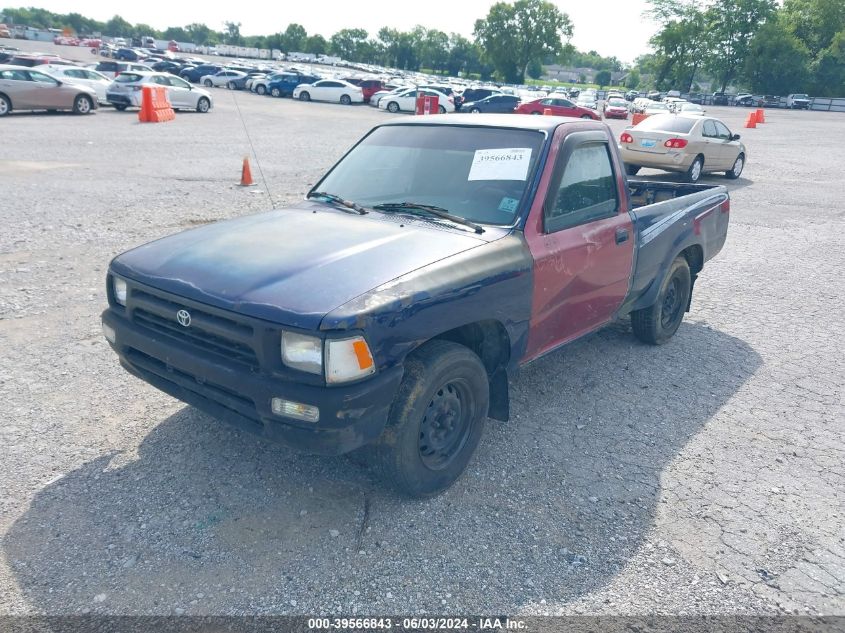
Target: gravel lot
{"points": [[704, 476]]}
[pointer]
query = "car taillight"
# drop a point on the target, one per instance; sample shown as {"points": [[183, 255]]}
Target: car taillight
{"points": [[725, 207], [675, 143], [626, 138]]}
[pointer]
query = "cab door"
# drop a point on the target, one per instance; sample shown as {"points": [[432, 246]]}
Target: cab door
{"points": [[580, 235]]}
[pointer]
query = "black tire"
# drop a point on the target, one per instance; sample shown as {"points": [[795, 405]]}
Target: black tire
{"points": [[208, 83], [345, 99], [632, 170], [275, 92], [739, 164], [444, 384], [393, 107], [441, 109], [5, 105], [586, 116], [120, 107], [83, 104], [261, 89], [475, 111], [231, 85], [304, 96], [694, 172], [537, 113], [656, 324], [203, 105]]}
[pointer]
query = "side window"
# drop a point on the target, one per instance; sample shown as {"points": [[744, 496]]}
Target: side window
{"points": [[547, 102], [161, 80], [41, 77], [14, 75], [587, 189], [722, 131], [709, 129]]}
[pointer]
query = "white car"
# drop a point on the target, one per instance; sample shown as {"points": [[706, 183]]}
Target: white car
{"points": [[406, 101], [126, 91], [376, 98], [656, 107], [334, 90], [221, 78], [689, 108], [80, 76]]}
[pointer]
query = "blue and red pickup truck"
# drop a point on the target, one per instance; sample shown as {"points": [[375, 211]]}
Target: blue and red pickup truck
{"points": [[390, 307]]}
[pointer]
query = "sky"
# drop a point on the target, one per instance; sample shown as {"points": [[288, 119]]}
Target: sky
{"points": [[610, 27]]}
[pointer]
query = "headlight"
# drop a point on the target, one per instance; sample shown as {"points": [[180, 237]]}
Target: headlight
{"points": [[302, 352], [348, 359], [119, 290]]}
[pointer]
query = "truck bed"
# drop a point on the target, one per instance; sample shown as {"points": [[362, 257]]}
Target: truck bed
{"points": [[671, 218]]}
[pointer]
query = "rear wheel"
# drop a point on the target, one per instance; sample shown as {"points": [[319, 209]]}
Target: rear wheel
{"points": [[475, 110], [632, 170], [262, 90], [5, 105], [739, 163], [656, 324], [586, 116], [208, 83], [82, 105], [120, 106], [275, 92], [304, 96], [436, 420], [231, 85], [694, 172], [441, 109], [203, 105], [345, 99]]}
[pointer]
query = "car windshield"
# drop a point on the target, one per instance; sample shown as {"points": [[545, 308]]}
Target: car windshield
{"points": [[618, 102], [127, 78], [477, 173], [667, 123]]}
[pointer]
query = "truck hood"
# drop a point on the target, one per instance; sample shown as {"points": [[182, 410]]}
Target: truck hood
{"points": [[290, 266]]}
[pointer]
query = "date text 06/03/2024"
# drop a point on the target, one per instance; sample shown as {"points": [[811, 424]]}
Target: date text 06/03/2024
{"points": [[418, 624]]}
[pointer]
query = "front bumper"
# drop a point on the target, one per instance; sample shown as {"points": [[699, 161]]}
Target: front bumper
{"points": [[350, 416]]}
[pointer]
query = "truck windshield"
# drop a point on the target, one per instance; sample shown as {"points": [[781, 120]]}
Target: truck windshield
{"points": [[477, 173]]}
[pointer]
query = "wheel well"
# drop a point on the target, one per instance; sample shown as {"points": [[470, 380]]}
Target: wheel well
{"points": [[695, 258], [490, 341]]}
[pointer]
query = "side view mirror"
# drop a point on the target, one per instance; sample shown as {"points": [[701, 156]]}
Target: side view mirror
{"points": [[735, 137]]}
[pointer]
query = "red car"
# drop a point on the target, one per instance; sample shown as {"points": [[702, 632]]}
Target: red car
{"points": [[615, 108], [558, 106], [368, 86]]}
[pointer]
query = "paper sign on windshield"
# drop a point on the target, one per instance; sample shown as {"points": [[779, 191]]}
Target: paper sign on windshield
{"points": [[507, 163]]}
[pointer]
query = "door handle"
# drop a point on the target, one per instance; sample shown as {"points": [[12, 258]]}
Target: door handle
{"points": [[621, 235]]}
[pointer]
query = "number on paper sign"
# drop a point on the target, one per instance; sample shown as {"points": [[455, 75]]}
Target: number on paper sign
{"points": [[510, 163]]}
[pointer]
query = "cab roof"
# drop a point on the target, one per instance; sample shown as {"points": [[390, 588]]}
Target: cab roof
{"points": [[543, 123]]}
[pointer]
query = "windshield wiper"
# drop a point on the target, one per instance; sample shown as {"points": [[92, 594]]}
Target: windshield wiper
{"points": [[338, 200], [440, 212]]}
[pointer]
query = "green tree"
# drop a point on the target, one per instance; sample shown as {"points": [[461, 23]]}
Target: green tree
{"points": [[514, 35], [829, 69], [117, 27], [632, 81], [680, 45], [814, 22], [777, 62], [232, 34], [602, 78], [346, 42], [730, 26], [316, 44], [294, 39], [535, 70]]}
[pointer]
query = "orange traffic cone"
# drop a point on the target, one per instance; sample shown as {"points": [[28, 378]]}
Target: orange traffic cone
{"points": [[547, 111], [751, 121], [246, 174], [761, 117]]}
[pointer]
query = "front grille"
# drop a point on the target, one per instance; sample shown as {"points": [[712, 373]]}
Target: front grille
{"points": [[211, 333]]}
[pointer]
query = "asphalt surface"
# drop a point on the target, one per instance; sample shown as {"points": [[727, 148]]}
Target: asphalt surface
{"points": [[703, 476]]}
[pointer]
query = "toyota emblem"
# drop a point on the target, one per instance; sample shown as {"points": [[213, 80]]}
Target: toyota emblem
{"points": [[184, 318]]}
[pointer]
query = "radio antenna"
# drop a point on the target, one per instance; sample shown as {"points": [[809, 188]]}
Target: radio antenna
{"points": [[252, 147]]}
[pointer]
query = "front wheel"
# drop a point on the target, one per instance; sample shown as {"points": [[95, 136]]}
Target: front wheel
{"points": [[120, 107], [5, 105], [345, 99], [275, 92], [231, 85], [656, 324], [304, 96], [694, 172], [739, 163], [82, 105], [586, 116], [475, 111], [208, 83], [436, 420], [203, 105], [393, 107], [441, 109]]}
